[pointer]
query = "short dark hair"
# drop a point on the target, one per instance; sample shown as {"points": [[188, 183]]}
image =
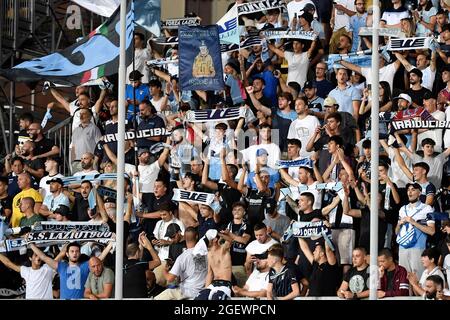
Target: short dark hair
{"points": [[87, 181], [367, 144], [304, 99], [155, 83], [265, 125], [335, 115], [362, 249], [259, 78], [4, 180], [308, 195], [26, 117], [233, 169], [386, 252], [431, 253], [140, 35], [384, 165], [73, 244], [437, 280], [221, 126], [338, 140], [295, 142], [423, 165], [239, 204], [17, 159], [287, 95], [276, 250], [259, 226]]}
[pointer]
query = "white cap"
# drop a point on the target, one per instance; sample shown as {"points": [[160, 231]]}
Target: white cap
{"points": [[404, 96]]}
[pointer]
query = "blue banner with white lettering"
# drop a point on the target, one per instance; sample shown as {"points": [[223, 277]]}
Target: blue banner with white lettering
{"points": [[200, 59]]}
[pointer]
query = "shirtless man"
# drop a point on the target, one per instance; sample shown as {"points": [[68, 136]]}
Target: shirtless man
{"points": [[218, 280]]}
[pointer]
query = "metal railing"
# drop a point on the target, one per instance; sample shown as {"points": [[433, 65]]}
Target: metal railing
{"points": [[61, 134]]}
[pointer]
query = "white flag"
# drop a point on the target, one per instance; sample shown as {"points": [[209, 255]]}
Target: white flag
{"points": [[228, 27], [104, 8]]}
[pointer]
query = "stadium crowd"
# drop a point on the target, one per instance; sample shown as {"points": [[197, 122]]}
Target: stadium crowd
{"points": [[295, 106]]}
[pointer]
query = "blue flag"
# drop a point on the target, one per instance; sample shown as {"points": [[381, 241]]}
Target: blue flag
{"points": [[200, 58]]}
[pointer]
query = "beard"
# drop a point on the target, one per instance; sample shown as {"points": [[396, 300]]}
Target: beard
{"points": [[430, 295], [413, 200]]}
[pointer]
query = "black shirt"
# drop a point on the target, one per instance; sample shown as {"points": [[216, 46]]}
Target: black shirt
{"points": [[357, 280], [43, 146], [364, 237], [80, 208], [317, 213], [228, 197], [155, 204], [324, 280], [176, 249], [263, 100], [151, 123], [205, 224], [5, 203], [256, 202], [417, 95], [134, 280], [238, 253], [282, 282]]}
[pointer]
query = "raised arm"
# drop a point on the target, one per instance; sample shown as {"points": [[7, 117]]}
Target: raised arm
{"points": [[275, 50], [351, 66], [288, 179], [49, 261], [145, 243], [306, 251], [9, 264], [326, 210], [408, 66], [60, 99]]}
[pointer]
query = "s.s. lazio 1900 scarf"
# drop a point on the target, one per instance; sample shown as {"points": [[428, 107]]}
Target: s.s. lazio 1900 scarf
{"points": [[93, 57]]}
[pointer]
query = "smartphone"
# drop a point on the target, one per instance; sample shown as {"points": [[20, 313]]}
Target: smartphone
{"points": [[369, 86]]}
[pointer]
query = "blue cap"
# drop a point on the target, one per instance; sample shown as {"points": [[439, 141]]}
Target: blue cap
{"points": [[261, 152]]}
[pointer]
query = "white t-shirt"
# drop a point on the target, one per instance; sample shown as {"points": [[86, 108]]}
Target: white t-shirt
{"points": [[44, 188], [192, 273], [396, 172], [303, 130], [140, 56], [341, 19], [297, 67], [39, 282], [272, 149], [257, 281], [435, 134], [426, 274], [295, 7], [447, 131], [428, 78], [160, 233], [392, 17], [446, 267], [255, 247], [436, 165], [147, 177], [386, 73]]}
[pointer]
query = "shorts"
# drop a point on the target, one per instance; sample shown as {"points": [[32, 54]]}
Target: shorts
{"points": [[345, 242], [217, 290]]}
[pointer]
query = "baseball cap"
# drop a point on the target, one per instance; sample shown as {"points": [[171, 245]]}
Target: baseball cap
{"points": [[58, 180], [307, 16], [308, 7], [404, 96], [261, 256], [271, 205], [415, 185], [142, 150], [261, 152], [62, 210], [330, 102], [309, 85], [135, 75], [172, 230]]}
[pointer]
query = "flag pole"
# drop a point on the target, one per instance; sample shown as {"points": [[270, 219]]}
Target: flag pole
{"points": [[374, 155], [121, 154]]}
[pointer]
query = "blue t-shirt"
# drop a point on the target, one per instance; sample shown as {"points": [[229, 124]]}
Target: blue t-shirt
{"points": [[235, 90], [274, 177], [141, 93], [72, 279]]}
